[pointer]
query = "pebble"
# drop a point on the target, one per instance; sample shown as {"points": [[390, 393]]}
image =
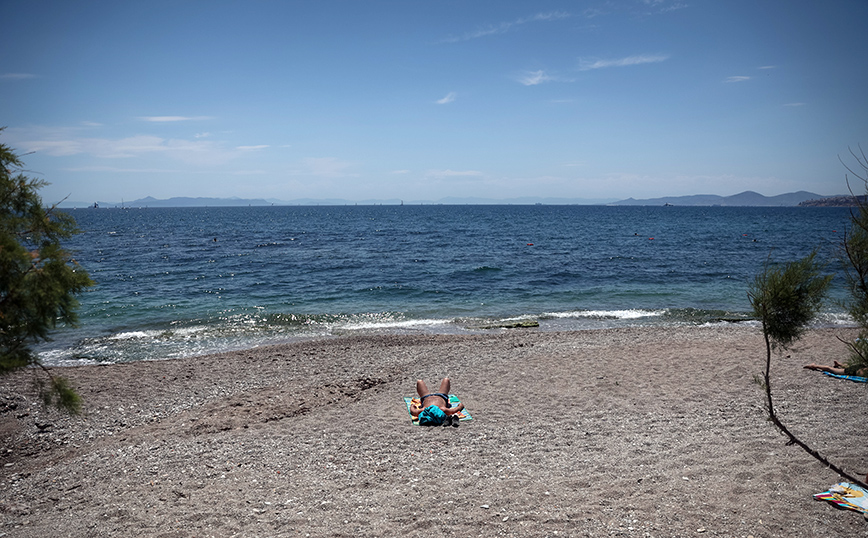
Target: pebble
{"points": [[147, 449]]}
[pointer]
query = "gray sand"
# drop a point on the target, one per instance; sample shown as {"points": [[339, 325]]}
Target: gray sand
{"points": [[628, 432]]}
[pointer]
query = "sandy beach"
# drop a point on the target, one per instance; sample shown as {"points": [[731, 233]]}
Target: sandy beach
{"points": [[623, 432]]}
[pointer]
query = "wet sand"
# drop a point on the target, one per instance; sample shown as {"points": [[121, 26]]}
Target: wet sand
{"points": [[623, 432]]}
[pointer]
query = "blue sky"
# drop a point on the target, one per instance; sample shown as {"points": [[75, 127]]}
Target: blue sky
{"points": [[421, 100]]}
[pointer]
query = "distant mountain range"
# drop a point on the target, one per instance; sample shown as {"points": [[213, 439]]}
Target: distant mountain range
{"points": [[747, 198], [239, 202]]}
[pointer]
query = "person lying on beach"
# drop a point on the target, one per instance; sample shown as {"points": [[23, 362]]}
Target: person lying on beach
{"points": [[434, 408], [840, 369]]}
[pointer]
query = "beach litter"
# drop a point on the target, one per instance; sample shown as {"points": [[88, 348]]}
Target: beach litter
{"points": [[846, 496]]}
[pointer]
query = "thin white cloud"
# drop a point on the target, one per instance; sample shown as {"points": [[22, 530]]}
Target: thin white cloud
{"points": [[17, 76], [450, 97], [453, 173], [248, 172], [532, 78], [117, 170], [767, 67], [490, 30], [504, 27], [550, 16], [587, 65], [737, 79], [165, 119], [252, 148], [592, 12], [400, 171], [120, 170], [664, 6], [65, 142]]}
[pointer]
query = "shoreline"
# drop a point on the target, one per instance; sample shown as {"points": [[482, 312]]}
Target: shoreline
{"points": [[631, 431], [136, 345]]}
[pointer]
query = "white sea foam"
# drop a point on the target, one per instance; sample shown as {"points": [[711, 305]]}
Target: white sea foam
{"points": [[835, 319], [519, 318], [608, 314], [394, 324], [131, 335], [61, 357], [187, 331]]}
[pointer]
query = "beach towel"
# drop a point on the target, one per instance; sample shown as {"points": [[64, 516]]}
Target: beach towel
{"points": [[453, 401], [846, 496], [855, 378]]}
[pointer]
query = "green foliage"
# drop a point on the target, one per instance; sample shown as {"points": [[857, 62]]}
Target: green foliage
{"points": [[856, 267], [786, 297], [859, 351], [855, 249], [59, 392], [38, 277]]}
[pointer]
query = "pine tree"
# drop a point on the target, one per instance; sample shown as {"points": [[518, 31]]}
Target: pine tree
{"points": [[38, 278], [785, 298], [856, 265]]}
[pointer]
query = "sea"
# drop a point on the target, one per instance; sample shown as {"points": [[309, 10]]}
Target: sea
{"points": [[176, 282]]}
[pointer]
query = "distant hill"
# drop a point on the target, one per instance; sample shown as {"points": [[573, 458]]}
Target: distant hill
{"points": [[172, 202], [196, 202], [243, 202], [747, 198], [844, 200]]}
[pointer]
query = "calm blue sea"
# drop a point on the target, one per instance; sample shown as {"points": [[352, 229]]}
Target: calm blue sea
{"points": [[185, 281]]}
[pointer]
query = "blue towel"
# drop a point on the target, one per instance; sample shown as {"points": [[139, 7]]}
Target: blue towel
{"points": [[855, 378]]}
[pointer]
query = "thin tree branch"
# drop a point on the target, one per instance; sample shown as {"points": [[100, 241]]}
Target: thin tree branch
{"points": [[793, 440]]}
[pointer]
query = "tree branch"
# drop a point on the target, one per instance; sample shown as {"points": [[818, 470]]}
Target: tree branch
{"points": [[793, 440]]}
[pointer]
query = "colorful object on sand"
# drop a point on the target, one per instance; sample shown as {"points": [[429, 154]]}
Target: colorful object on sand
{"points": [[453, 401], [855, 378], [846, 496]]}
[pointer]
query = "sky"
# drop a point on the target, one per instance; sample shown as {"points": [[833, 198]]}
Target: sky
{"points": [[421, 100]]}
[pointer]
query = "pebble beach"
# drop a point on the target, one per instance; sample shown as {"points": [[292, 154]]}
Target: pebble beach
{"points": [[643, 432]]}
